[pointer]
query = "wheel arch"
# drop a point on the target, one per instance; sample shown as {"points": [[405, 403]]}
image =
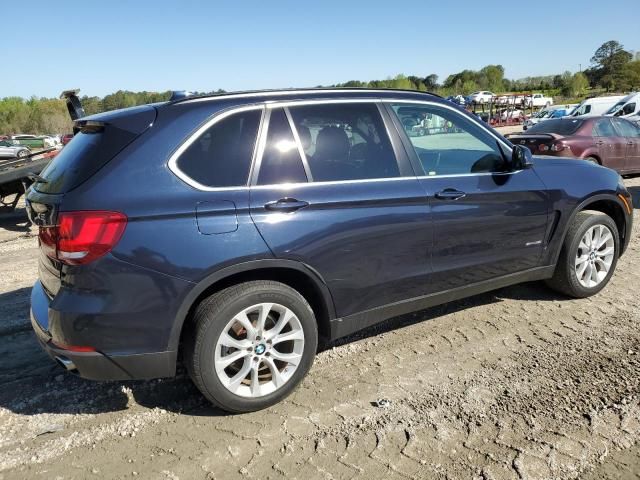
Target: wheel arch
{"points": [[591, 154], [610, 205], [297, 275]]}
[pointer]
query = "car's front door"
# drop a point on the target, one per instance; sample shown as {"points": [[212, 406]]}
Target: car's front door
{"points": [[488, 223], [611, 146], [332, 191]]}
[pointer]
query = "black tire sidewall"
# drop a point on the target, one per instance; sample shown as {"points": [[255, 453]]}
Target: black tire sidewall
{"points": [[572, 247], [210, 383]]}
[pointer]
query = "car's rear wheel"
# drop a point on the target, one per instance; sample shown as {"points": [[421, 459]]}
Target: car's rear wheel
{"points": [[250, 345], [23, 153], [588, 257]]}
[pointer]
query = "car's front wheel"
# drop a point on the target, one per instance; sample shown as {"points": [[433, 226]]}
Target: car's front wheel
{"points": [[588, 257], [23, 153], [250, 345]]}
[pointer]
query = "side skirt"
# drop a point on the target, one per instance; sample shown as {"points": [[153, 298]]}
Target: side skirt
{"points": [[341, 327]]}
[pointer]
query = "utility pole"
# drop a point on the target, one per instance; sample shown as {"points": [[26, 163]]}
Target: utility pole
{"points": [[580, 67]]}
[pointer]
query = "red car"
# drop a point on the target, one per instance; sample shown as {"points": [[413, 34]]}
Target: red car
{"points": [[67, 138], [612, 142]]}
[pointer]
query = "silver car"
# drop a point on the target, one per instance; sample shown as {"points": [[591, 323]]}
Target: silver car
{"points": [[9, 149]]}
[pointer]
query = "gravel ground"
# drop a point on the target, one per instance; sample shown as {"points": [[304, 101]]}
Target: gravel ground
{"points": [[518, 383]]}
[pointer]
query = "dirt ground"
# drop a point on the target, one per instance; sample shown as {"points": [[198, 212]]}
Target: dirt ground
{"points": [[518, 383]]}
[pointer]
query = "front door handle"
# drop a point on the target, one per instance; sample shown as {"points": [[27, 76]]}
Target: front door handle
{"points": [[450, 194], [599, 142], [285, 205]]}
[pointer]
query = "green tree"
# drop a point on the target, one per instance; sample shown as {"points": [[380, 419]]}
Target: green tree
{"points": [[608, 62], [630, 76]]}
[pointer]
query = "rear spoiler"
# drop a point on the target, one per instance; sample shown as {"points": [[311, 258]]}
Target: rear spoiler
{"points": [[531, 136], [74, 105]]}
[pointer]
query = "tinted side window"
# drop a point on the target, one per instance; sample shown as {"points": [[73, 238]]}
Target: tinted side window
{"points": [[448, 143], [221, 155], [604, 128], [628, 109], [626, 129], [345, 141], [281, 161]]}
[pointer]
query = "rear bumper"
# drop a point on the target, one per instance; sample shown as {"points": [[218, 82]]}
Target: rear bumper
{"points": [[97, 365]]}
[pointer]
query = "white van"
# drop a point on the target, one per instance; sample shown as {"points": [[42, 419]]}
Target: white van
{"points": [[627, 107], [596, 106]]}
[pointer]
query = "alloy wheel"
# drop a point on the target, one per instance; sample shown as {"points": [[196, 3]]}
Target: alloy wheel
{"points": [[594, 256], [259, 350]]}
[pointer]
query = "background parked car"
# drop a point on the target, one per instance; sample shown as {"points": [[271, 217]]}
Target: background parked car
{"points": [[627, 107], [8, 149], [612, 142], [538, 100], [33, 141], [66, 138], [481, 97], [592, 107], [457, 99], [557, 111]]}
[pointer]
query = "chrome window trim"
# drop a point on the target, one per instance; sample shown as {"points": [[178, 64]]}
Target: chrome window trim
{"points": [[173, 160], [372, 180], [266, 108]]}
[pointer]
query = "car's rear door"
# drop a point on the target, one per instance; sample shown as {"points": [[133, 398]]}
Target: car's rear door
{"points": [[487, 223], [631, 134], [612, 147], [332, 190]]}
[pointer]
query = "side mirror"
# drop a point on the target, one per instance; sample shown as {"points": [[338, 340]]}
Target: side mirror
{"points": [[521, 158]]}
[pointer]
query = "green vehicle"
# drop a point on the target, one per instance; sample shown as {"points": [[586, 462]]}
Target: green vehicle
{"points": [[32, 141]]}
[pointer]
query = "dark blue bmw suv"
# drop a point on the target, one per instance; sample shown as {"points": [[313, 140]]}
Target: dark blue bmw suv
{"points": [[236, 231]]}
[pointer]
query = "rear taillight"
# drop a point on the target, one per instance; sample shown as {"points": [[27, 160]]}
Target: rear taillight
{"points": [[81, 237], [558, 147]]}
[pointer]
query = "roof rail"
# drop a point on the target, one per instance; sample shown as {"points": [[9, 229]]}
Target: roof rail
{"points": [[286, 91]]}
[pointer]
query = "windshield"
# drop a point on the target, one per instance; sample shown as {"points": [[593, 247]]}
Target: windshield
{"points": [[560, 126], [615, 108]]}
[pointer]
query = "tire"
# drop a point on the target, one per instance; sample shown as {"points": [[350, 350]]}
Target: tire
{"points": [[565, 278], [23, 153], [216, 315], [593, 160]]}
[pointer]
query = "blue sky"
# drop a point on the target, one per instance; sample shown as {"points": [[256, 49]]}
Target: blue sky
{"points": [[104, 46]]}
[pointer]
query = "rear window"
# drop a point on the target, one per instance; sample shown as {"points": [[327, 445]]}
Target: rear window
{"points": [[81, 158], [221, 155], [100, 138], [559, 126]]}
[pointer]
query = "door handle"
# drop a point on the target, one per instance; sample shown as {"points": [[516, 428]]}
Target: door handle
{"points": [[599, 142], [285, 205], [450, 194], [630, 143]]}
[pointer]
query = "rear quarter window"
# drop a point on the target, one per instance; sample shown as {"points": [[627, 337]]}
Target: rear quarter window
{"points": [[221, 155]]}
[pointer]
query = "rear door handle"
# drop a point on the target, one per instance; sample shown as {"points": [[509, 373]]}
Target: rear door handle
{"points": [[286, 205], [450, 194]]}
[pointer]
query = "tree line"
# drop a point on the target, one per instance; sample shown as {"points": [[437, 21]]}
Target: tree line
{"points": [[612, 69]]}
